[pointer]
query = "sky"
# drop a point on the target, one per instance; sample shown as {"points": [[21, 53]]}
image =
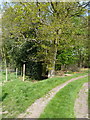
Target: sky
{"points": [[1, 1], [4, 1], [40, 0]]}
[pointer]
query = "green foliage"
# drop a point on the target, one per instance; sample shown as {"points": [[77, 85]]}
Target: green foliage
{"points": [[36, 31], [34, 70], [66, 56]]}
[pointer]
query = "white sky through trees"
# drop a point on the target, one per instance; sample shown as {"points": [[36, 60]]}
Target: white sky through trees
{"points": [[1, 1], [41, 1]]}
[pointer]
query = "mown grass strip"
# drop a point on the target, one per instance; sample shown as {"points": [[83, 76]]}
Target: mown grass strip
{"points": [[62, 105], [17, 95]]}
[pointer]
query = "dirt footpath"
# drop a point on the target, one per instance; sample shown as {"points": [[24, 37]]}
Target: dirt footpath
{"points": [[38, 106], [81, 103]]}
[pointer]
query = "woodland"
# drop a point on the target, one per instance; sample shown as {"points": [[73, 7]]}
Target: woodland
{"points": [[40, 38]]}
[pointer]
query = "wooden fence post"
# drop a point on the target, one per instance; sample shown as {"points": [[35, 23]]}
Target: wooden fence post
{"points": [[16, 72], [23, 72]]}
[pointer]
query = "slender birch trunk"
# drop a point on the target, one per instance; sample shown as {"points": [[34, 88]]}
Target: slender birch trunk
{"points": [[23, 72]]}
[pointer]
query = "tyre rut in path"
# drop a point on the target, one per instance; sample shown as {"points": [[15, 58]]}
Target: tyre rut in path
{"points": [[38, 106], [81, 103]]}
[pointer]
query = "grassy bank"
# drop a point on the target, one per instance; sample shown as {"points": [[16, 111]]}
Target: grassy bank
{"points": [[17, 95], [11, 76], [62, 105]]}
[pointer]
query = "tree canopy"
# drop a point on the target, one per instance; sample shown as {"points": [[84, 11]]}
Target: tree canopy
{"points": [[45, 35]]}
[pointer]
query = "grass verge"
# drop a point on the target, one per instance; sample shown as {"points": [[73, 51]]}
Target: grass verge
{"points": [[62, 105], [17, 95], [11, 76]]}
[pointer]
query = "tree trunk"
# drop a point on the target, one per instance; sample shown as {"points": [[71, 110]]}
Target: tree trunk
{"points": [[80, 59], [21, 69], [6, 71], [23, 72], [51, 72]]}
